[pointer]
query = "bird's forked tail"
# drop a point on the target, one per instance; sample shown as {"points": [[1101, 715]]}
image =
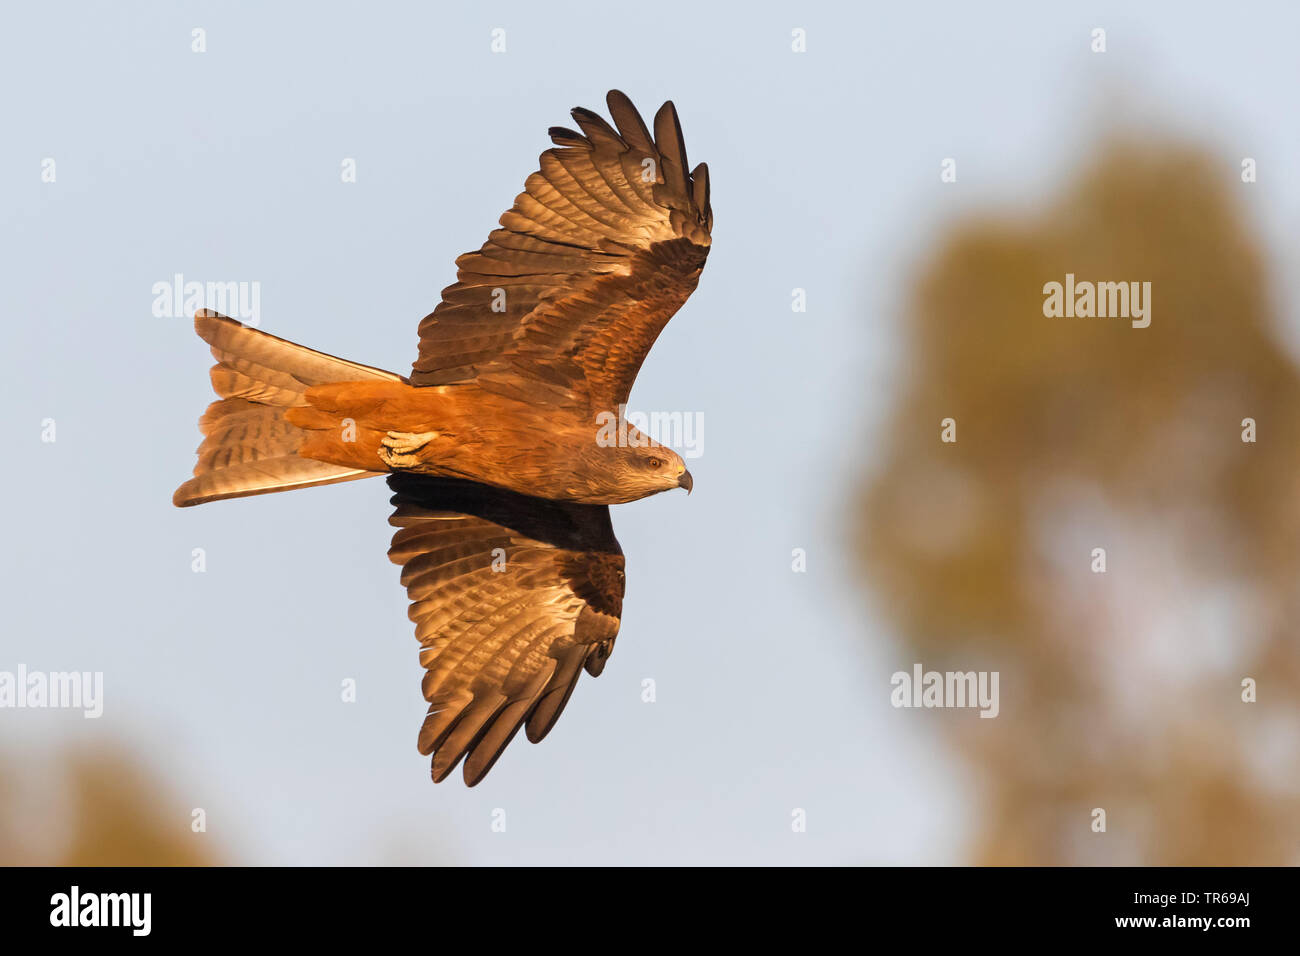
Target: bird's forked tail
{"points": [[249, 446]]}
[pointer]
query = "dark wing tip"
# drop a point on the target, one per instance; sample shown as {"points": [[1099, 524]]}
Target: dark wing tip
{"points": [[598, 131], [700, 193], [563, 136]]}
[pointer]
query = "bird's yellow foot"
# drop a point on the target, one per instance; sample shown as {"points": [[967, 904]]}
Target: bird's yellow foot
{"points": [[401, 449]]}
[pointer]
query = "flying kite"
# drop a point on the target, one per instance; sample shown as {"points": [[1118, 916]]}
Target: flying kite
{"points": [[493, 443]]}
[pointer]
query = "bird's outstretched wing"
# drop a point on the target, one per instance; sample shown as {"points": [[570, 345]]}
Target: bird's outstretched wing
{"points": [[606, 242], [511, 597]]}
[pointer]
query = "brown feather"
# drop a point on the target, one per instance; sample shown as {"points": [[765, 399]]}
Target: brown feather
{"points": [[672, 150], [629, 122]]}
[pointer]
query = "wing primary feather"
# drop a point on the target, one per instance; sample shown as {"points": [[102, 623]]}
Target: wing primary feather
{"points": [[557, 694], [597, 130], [438, 723], [494, 740], [630, 125], [672, 149], [700, 191], [469, 728], [563, 136]]}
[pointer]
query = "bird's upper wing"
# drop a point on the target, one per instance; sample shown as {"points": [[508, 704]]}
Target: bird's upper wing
{"points": [[511, 597], [606, 242]]}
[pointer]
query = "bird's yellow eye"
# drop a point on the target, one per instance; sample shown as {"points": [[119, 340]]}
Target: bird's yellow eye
{"points": [[655, 462]]}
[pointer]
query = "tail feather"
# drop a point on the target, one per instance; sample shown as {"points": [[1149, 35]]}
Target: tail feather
{"points": [[249, 446], [243, 432]]}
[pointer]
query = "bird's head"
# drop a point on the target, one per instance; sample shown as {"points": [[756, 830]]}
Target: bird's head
{"points": [[664, 468], [646, 470], [633, 465]]}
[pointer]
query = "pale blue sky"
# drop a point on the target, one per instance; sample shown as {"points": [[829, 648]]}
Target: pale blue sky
{"points": [[773, 687]]}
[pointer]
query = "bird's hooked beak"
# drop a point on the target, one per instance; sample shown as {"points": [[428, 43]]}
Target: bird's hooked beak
{"points": [[686, 481]]}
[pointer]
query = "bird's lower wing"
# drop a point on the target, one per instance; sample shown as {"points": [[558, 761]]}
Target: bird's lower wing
{"points": [[512, 597]]}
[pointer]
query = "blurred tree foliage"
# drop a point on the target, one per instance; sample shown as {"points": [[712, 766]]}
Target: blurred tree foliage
{"points": [[93, 807], [1119, 690]]}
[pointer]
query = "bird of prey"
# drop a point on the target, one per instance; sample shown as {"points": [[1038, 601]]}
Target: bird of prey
{"points": [[497, 445]]}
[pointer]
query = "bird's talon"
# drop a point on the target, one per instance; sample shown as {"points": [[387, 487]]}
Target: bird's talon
{"points": [[399, 449]]}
